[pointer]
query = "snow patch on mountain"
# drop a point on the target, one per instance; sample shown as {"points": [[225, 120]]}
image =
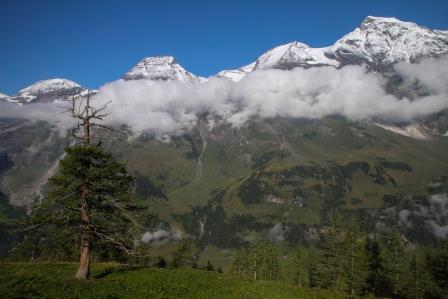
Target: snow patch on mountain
{"points": [[412, 130], [3, 96], [238, 74], [163, 68]]}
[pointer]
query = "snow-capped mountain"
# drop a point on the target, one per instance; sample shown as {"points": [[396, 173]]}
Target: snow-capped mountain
{"points": [[161, 68], [383, 41], [47, 91], [377, 42], [3, 96], [293, 55], [238, 74]]}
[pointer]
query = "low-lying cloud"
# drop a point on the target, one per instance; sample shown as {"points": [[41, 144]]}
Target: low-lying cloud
{"points": [[161, 107], [433, 213], [50, 113], [161, 236], [169, 107]]}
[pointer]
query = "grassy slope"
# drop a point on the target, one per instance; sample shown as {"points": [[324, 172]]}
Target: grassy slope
{"points": [[324, 144], [49, 280]]}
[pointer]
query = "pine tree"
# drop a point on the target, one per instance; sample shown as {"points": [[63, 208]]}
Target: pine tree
{"points": [[237, 265], [183, 255], [256, 260], [90, 199], [438, 266], [395, 263], [313, 271], [301, 263], [91, 191], [333, 261], [419, 283], [271, 263], [375, 280], [356, 259]]}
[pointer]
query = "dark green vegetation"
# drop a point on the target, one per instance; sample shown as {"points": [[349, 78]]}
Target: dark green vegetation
{"points": [[46, 280], [347, 261]]}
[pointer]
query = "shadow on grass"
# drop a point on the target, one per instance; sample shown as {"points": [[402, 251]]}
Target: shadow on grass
{"points": [[120, 269]]}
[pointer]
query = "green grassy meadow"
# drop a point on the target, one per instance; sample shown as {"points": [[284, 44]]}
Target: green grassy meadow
{"points": [[54, 280]]}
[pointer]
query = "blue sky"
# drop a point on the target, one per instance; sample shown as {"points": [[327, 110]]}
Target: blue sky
{"points": [[93, 42]]}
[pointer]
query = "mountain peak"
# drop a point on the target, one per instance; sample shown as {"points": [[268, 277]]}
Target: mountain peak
{"points": [[159, 60], [291, 55], [387, 24], [46, 91], [50, 85], [373, 19], [380, 41], [164, 68]]}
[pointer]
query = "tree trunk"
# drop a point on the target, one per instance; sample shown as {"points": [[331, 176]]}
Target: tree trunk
{"points": [[352, 276], [84, 261]]}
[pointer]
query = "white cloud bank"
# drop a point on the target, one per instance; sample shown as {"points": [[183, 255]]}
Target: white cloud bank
{"points": [[38, 112], [173, 107]]}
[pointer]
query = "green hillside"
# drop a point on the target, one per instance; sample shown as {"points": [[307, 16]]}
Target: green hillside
{"points": [[273, 179], [295, 172], [49, 280]]}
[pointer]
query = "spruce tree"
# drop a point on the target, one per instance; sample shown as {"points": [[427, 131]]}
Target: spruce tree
{"points": [[271, 263], [395, 263], [90, 202], [183, 255], [301, 267], [91, 198], [333, 260], [438, 266], [419, 283], [355, 256], [376, 280]]}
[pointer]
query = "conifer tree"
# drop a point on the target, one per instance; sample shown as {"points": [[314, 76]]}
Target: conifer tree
{"points": [[301, 267], [313, 271], [271, 263], [356, 259], [395, 263], [90, 200], [438, 266], [377, 283], [332, 271], [183, 255], [256, 260], [419, 283]]}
